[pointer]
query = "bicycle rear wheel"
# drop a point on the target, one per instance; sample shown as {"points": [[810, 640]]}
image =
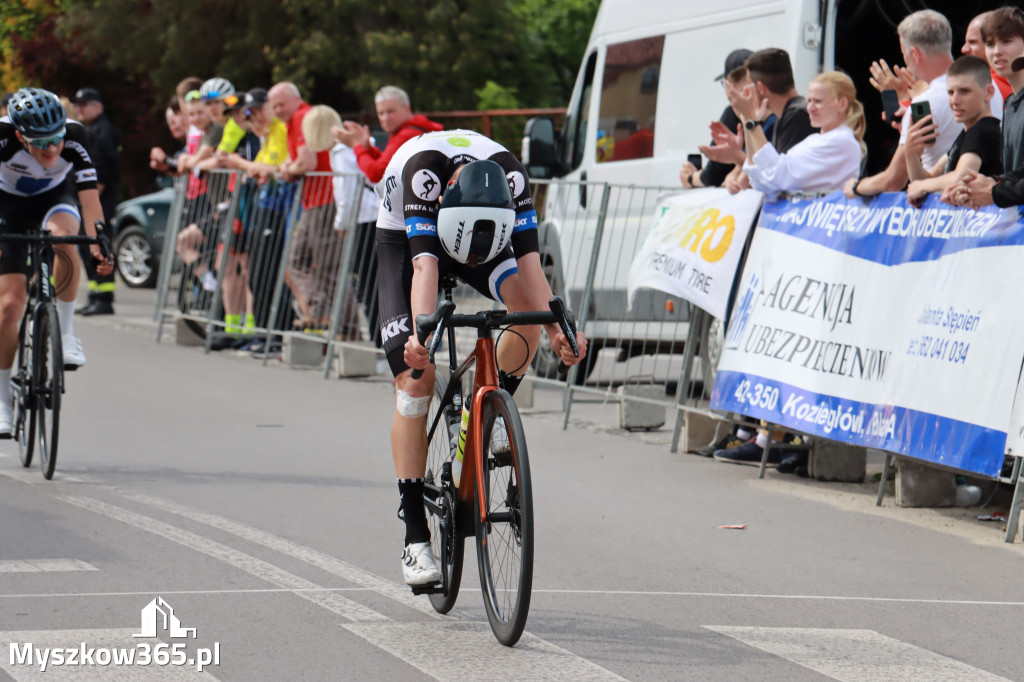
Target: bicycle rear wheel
{"points": [[49, 373], [24, 414], [504, 543], [439, 497]]}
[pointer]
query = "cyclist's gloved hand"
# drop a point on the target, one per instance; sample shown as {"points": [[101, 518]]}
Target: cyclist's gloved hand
{"points": [[416, 354]]}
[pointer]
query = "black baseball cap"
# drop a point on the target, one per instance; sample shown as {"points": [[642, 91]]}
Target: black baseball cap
{"points": [[256, 97], [86, 95], [735, 60], [233, 102]]}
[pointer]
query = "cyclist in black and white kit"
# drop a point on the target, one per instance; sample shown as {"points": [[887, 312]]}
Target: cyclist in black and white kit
{"points": [[452, 201], [43, 160]]}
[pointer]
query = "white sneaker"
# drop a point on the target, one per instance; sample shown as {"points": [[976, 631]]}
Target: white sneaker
{"points": [[74, 356], [6, 418], [418, 565], [499, 438]]}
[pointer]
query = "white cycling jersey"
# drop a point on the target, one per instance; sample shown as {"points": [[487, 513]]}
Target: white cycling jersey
{"points": [[23, 176]]}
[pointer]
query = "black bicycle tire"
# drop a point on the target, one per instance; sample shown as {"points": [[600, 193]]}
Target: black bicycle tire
{"points": [[443, 536], [507, 615], [49, 363], [23, 397]]}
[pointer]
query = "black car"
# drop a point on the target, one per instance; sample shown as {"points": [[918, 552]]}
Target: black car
{"points": [[140, 225]]}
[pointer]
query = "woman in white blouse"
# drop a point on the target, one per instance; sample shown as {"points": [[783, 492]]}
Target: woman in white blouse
{"points": [[822, 162]]}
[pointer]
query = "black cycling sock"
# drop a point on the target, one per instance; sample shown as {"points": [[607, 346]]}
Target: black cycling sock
{"points": [[411, 492], [509, 382]]}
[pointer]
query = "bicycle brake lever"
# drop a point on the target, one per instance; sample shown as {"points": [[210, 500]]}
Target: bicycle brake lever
{"points": [[432, 323], [567, 323], [102, 241]]}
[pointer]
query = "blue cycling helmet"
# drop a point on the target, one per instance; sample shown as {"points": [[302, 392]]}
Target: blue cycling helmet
{"points": [[37, 113]]}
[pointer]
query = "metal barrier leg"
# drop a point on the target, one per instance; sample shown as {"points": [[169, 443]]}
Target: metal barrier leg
{"points": [[167, 257], [886, 468], [1013, 519], [767, 449], [282, 268], [686, 373]]}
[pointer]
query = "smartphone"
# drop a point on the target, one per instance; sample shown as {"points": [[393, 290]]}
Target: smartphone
{"points": [[890, 105], [696, 160], [919, 110]]}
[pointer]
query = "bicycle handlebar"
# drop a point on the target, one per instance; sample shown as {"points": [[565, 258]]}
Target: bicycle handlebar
{"points": [[44, 237], [495, 319]]}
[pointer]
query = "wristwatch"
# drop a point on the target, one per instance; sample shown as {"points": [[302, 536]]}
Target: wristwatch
{"points": [[750, 124]]}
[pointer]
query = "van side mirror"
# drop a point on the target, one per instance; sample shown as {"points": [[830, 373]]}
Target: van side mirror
{"points": [[538, 152]]}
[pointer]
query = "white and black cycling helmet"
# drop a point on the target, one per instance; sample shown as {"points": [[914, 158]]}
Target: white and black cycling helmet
{"points": [[216, 88], [37, 113], [476, 216]]}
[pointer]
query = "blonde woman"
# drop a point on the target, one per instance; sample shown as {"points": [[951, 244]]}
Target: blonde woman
{"points": [[349, 189], [822, 162]]}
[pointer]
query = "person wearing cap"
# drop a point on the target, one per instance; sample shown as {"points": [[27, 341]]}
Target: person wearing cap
{"points": [[1003, 34], [102, 143], [715, 172]]}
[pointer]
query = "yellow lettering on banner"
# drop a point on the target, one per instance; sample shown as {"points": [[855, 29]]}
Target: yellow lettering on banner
{"points": [[701, 231]]}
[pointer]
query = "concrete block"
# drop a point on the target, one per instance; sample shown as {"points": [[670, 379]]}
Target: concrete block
{"points": [[832, 461], [524, 394], [185, 335], [302, 353], [699, 431], [635, 415], [351, 361], [919, 485]]}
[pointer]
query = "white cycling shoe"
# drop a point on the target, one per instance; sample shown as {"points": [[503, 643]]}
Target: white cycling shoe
{"points": [[6, 418], [418, 565], [74, 356]]}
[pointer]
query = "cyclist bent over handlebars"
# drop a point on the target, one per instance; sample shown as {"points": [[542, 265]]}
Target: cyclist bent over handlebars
{"points": [[451, 202], [41, 155]]}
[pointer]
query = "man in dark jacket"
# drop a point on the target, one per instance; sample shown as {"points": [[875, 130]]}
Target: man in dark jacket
{"points": [[105, 153]]}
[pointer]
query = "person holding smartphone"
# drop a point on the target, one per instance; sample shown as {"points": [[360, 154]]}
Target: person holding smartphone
{"points": [[977, 148], [926, 41]]}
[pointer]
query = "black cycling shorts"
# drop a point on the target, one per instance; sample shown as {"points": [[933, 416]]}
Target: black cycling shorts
{"points": [[394, 260], [25, 214]]}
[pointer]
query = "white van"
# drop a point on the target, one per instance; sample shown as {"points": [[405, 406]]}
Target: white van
{"points": [[648, 76]]}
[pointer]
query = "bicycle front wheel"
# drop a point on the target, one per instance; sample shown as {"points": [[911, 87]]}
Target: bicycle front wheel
{"points": [[49, 374], [504, 542], [24, 413], [439, 497]]}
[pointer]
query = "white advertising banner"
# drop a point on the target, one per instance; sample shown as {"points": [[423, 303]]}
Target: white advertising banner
{"points": [[695, 245], [882, 325]]}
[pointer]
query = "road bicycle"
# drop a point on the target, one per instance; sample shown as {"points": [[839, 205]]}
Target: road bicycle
{"points": [[494, 498], [37, 382]]}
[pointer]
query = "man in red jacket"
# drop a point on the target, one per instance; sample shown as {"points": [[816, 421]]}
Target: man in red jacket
{"points": [[397, 120]]}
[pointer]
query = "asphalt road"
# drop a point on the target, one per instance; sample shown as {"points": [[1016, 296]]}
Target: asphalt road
{"points": [[258, 503]]}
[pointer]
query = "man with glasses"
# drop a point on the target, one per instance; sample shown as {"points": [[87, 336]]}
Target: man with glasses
{"points": [[40, 150]]}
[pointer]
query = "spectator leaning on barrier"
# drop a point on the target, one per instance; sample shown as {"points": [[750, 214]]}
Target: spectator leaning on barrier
{"points": [[821, 162], [1003, 33], [975, 46], [771, 90], [977, 148], [102, 141], [926, 41], [714, 172], [349, 188], [396, 118], [312, 262]]}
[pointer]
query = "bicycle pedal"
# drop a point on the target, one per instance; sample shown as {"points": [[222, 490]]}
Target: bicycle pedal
{"points": [[432, 588]]}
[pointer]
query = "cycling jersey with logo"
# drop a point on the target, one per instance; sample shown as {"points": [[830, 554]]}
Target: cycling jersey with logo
{"points": [[411, 188], [23, 176]]}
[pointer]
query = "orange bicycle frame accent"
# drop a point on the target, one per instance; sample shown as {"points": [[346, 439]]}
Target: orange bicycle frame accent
{"points": [[484, 381]]}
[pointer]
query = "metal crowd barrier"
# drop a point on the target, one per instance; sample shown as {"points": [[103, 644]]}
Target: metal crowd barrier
{"points": [[245, 250], [659, 339]]}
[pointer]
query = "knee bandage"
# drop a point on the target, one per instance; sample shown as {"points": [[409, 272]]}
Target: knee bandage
{"points": [[411, 407]]}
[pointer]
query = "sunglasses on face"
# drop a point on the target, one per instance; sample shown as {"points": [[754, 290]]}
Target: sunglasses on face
{"points": [[45, 142]]}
